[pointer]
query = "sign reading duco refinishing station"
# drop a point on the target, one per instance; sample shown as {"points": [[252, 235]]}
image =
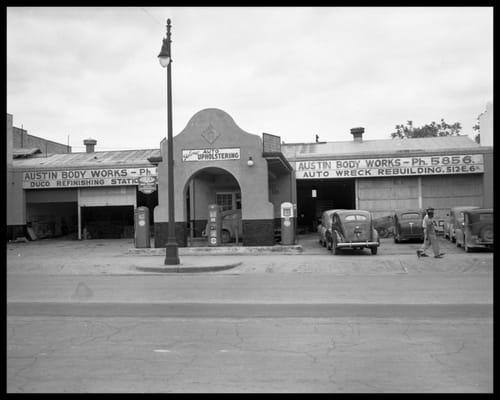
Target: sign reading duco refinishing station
{"points": [[390, 166], [86, 177]]}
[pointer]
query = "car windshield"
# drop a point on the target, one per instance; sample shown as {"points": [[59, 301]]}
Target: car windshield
{"points": [[355, 217], [410, 216]]}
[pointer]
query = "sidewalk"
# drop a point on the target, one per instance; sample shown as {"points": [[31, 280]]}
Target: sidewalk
{"points": [[107, 270], [119, 257]]}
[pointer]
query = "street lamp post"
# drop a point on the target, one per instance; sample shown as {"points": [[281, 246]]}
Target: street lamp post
{"points": [[172, 252]]}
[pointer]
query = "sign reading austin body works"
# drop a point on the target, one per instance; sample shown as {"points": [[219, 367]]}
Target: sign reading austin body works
{"points": [[85, 177], [211, 154], [391, 166]]}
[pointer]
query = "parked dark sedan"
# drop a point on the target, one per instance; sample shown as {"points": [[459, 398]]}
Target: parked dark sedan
{"points": [[476, 230], [408, 225], [352, 229]]}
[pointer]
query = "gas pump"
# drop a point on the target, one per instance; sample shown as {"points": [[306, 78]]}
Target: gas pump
{"points": [[287, 224], [214, 226], [141, 225]]}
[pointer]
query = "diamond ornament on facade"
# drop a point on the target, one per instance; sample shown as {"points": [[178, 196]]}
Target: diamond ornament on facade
{"points": [[210, 134]]}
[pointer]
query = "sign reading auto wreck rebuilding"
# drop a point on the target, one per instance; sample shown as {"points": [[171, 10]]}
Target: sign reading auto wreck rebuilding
{"points": [[392, 166], [211, 154], [85, 177]]}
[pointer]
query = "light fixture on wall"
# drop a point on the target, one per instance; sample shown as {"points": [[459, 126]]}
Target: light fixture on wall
{"points": [[250, 161]]}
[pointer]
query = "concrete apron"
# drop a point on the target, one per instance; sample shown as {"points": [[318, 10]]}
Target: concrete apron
{"points": [[221, 250], [207, 251]]}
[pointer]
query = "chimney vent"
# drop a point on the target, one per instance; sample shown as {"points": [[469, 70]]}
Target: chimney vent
{"points": [[89, 144], [357, 134]]}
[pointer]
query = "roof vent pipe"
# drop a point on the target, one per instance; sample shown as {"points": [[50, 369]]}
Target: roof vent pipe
{"points": [[89, 145], [357, 134]]}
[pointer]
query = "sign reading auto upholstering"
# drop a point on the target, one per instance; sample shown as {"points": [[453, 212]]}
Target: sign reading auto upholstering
{"points": [[85, 177], [211, 154], [392, 166]]}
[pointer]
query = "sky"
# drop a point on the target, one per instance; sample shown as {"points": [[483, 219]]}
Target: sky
{"points": [[295, 72]]}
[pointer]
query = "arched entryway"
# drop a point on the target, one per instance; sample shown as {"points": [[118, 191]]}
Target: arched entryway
{"points": [[212, 185]]}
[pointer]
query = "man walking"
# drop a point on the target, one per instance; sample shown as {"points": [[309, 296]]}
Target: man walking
{"points": [[430, 238]]}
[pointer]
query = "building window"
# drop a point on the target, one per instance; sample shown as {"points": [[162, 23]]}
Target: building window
{"points": [[228, 200], [225, 200]]}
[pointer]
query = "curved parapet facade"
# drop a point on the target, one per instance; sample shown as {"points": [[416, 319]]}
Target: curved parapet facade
{"points": [[215, 162]]}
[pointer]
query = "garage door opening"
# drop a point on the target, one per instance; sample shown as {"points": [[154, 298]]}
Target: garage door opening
{"points": [[107, 222], [50, 220], [329, 194]]}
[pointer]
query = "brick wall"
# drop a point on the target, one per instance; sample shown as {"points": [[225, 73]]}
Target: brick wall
{"points": [[22, 140]]}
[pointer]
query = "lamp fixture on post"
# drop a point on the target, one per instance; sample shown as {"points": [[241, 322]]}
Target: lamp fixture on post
{"points": [[172, 251]]}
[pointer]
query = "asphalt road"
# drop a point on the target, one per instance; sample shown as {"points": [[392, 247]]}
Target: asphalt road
{"points": [[329, 355]]}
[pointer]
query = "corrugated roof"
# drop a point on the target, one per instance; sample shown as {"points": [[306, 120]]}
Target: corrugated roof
{"points": [[17, 153], [95, 159], [384, 146]]}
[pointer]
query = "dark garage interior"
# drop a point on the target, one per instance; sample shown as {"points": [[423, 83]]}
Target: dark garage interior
{"points": [[329, 194], [110, 222]]}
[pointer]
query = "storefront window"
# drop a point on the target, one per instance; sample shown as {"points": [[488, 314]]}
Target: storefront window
{"points": [[225, 200], [229, 200]]}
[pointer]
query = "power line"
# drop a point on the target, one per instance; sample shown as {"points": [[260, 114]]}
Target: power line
{"points": [[156, 19]]}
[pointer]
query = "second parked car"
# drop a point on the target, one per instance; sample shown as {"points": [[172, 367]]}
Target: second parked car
{"points": [[408, 225], [352, 229]]}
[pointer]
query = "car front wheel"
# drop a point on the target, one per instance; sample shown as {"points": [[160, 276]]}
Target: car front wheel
{"points": [[374, 250]]}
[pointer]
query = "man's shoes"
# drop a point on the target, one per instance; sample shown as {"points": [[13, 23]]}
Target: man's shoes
{"points": [[420, 253], [439, 256]]}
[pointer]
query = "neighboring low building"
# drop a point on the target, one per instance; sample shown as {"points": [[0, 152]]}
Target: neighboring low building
{"points": [[83, 195]]}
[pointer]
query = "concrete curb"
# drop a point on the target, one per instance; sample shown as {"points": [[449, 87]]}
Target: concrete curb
{"points": [[188, 268], [222, 250]]}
